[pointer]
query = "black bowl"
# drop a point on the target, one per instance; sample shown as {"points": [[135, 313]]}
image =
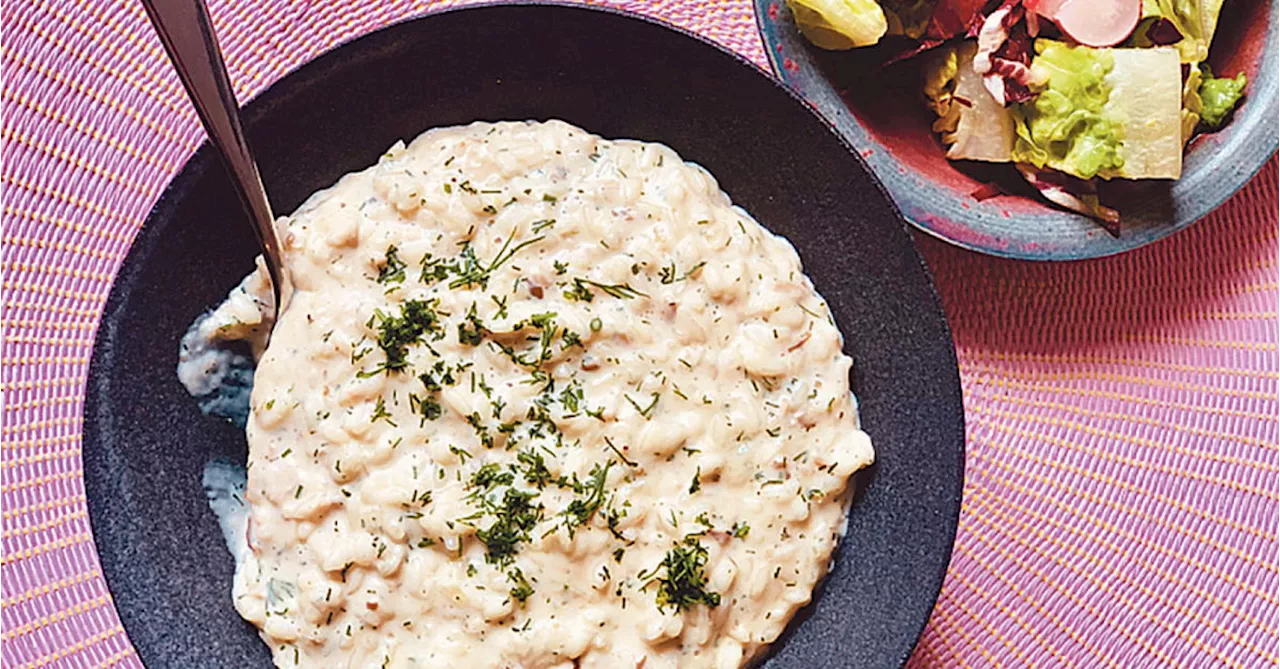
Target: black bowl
{"points": [[616, 75]]}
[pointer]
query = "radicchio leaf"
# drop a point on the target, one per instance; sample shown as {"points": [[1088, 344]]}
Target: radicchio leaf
{"points": [[987, 191], [1072, 193], [952, 18], [1162, 32], [1004, 54]]}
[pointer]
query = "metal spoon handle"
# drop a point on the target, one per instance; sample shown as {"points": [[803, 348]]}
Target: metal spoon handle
{"points": [[187, 34]]}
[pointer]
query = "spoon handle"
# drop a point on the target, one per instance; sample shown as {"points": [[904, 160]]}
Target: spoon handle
{"points": [[187, 34]]}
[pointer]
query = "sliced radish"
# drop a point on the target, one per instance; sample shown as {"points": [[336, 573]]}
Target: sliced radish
{"points": [[1045, 8], [1096, 23]]}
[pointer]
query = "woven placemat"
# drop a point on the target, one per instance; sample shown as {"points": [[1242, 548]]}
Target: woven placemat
{"points": [[1121, 496]]}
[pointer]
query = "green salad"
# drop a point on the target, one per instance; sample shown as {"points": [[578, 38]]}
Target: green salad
{"points": [[1068, 91]]}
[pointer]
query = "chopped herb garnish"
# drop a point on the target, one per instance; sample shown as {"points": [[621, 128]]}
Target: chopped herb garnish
{"points": [[619, 290], [740, 530], [490, 476], [513, 517], [392, 270], [581, 290], [570, 339], [580, 510], [647, 411], [471, 272], [470, 330], [668, 274], [522, 590], [545, 324], [427, 407], [570, 397], [697, 482], [429, 381], [396, 333], [614, 516], [808, 311], [618, 453], [502, 306], [682, 577], [482, 431], [692, 270], [380, 412], [433, 269], [578, 293], [533, 467]]}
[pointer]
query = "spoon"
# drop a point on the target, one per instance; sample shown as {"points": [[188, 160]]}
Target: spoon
{"points": [[187, 33]]}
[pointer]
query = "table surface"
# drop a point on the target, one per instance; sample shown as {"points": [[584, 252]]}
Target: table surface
{"points": [[1121, 495]]}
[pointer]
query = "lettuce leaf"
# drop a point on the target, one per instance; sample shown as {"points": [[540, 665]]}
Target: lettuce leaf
{"points": [[1219, 96], [908, 17], [1146, 97], [1194, 20], [1103, 112], [972, 125], [1067, 127], [1191, 103], [940, 70], [839, 24]]}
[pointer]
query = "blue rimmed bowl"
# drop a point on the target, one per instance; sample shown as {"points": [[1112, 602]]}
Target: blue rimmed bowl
{"points": [[879, 111]]}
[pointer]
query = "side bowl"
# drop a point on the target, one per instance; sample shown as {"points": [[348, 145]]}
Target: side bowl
{"points": [[881, 114]]}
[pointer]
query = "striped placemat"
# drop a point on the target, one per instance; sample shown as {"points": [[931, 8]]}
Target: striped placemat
{"points": [[1121, 501]]}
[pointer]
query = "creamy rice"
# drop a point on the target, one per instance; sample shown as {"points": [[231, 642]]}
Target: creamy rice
{"points": [[540, 400]]}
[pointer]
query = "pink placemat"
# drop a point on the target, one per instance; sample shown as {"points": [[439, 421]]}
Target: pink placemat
{"points": [[1121, 496]]}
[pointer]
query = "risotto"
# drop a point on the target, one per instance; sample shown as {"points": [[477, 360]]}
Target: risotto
{"points": [[540, 399]]}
